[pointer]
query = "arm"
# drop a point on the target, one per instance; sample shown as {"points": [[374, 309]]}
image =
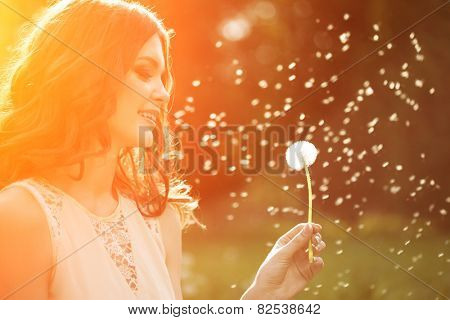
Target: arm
{"points": [[171, 233], [25, 247]]}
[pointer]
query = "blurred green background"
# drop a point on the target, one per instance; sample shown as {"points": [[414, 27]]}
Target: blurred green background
{"points": [[220, 263], [397, 203]]}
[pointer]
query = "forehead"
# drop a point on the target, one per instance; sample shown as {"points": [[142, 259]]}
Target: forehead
{"points": [[152, 48]]}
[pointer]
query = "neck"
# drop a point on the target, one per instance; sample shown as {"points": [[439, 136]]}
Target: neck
{"points": [[97, 179]]}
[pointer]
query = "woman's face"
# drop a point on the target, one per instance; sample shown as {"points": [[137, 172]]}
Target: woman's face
{"points": [[141, 98]]}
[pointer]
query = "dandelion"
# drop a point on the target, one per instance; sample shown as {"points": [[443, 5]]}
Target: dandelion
{"points": [[299, 155]]}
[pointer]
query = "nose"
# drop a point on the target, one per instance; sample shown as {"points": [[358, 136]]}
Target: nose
{"points": [[160, 97]]}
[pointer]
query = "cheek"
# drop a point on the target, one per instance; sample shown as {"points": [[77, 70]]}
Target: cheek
{"points": [[126, 126], [128, 104]]}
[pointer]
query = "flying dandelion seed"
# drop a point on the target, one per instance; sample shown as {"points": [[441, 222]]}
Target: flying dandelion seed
{"points": [[263, 84], [357, 165], [309, 83]]}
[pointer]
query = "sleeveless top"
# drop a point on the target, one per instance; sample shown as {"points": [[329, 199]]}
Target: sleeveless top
{"points": [[120, 256]]}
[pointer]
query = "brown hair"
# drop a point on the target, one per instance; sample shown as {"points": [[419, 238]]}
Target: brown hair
{"points": [[60, 88]]}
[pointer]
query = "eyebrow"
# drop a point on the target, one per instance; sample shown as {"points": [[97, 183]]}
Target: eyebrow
{"points": [[152, 61]]}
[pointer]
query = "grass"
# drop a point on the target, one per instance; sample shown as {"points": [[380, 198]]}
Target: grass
{"points": [[221, 263]]}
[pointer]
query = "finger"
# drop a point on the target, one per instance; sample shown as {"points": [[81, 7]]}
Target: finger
{"points": [[298, 242], [288, 236], [316, 238], [317, 265], [316, 227], [318, 247]]}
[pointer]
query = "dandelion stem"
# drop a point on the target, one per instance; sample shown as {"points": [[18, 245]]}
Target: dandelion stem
{"points": [[308, 178]]}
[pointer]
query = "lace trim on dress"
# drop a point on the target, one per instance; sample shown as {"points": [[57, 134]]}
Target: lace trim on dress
{"points": [[53, 202], [113, 232], [117, 242]]}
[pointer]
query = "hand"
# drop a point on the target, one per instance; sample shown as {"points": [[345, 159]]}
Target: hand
{"points": [[286, 269]]}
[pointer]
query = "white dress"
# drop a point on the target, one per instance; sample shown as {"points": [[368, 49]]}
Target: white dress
{"points": [[121, 256]]}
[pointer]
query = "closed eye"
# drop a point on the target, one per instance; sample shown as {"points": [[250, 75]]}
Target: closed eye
{"points": [[144, 73]]}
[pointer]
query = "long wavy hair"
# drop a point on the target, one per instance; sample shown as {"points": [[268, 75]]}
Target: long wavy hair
{"points": [[60, 88]]}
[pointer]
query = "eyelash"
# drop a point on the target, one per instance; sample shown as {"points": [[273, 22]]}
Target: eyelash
{"points": [[143, 75]]}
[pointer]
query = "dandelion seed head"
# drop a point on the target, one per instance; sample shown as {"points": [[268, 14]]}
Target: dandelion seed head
{"points": [[300, 153]]}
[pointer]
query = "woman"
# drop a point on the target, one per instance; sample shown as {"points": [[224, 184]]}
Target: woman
{"points": [[91, 206]]}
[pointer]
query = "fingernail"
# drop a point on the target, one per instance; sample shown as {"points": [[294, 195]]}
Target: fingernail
{"points": [[307, 228]]}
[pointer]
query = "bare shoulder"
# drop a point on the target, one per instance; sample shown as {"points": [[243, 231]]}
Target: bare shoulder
{"points": [[25, 246], [17, 205]]}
